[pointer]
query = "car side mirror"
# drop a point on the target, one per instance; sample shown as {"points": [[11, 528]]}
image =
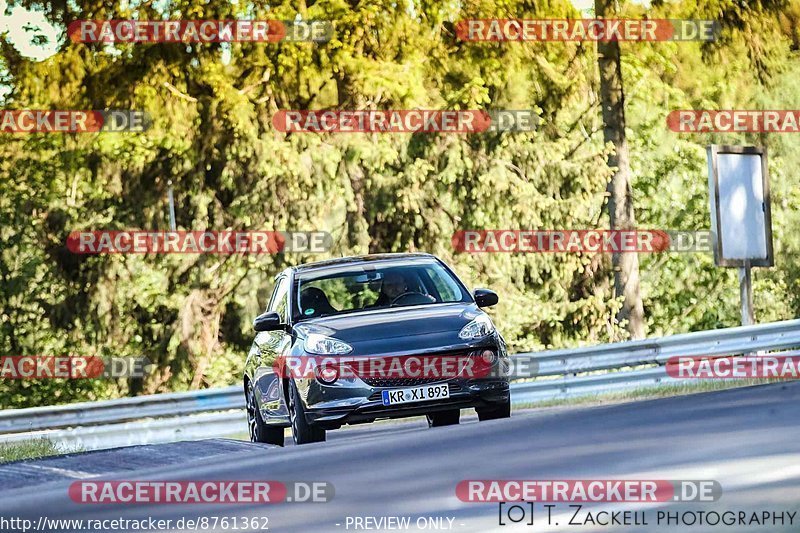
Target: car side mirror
{"points": [[270, 321], [485, 297]]}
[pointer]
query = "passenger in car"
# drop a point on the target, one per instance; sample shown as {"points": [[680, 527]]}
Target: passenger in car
{"points": [[314, 303]]}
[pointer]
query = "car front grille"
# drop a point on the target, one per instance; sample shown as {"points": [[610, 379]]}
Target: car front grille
{"points": [[398, 382]]}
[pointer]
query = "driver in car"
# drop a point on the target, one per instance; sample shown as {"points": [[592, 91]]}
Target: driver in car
{"points": [[394, 284]]}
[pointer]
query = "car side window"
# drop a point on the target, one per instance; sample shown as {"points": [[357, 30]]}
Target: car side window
{"points": [[279, 302]]}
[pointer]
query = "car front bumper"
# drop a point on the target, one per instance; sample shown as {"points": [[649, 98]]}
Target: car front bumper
{"points": [[365, 404]]}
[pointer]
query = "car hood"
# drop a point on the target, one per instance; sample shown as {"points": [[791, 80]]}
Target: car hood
{"points": [[432, 327]]}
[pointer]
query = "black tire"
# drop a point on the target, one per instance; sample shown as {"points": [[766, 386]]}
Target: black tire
{"points": [[302, 431], [258, 429], [444, 418], [493, 413]]}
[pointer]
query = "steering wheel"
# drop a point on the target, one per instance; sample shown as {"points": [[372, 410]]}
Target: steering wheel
{"points": [[406, 294]]}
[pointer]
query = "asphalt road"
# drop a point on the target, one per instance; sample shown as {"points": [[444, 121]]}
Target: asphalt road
{"points": [[748, 439]]}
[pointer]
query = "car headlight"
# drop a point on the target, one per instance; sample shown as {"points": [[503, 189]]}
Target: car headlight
{"points": [[480, 327], [322, 345]]}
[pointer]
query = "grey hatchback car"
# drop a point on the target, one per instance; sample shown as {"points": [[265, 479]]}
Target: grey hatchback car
{"points": [[356, 339]]}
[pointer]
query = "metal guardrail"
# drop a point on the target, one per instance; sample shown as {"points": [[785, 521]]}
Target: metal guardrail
{"points": [[615, 358], [174, 404], [220, 412], [729, 341]]}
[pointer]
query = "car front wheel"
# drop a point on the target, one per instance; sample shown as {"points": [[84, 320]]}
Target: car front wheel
{"points": [[444, 418], [258, 429], [493, 413], [302, 431]]}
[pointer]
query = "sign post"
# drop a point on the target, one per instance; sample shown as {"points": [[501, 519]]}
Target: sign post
{"points": [[746, 294], [741, 220]]}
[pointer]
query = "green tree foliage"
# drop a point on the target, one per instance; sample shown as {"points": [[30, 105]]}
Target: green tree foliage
{"points": [[212, 106]]}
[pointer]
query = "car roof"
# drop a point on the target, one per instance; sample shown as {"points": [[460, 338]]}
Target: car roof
{"points": [[355, 260]]}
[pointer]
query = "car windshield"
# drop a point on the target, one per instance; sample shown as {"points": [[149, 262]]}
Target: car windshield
{"points": [[375, 286]]}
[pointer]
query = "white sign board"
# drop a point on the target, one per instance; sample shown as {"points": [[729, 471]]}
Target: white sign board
{"points": [[740, 209]]}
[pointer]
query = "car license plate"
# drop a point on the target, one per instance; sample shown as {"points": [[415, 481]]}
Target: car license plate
{"points": [[415, 394]]}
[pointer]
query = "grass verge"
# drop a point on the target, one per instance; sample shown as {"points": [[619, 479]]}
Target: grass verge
{"points": [[30, 449]]}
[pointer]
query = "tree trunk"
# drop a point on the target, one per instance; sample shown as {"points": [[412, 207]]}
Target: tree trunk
{"points": [[620, 198], [358, 239]]}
